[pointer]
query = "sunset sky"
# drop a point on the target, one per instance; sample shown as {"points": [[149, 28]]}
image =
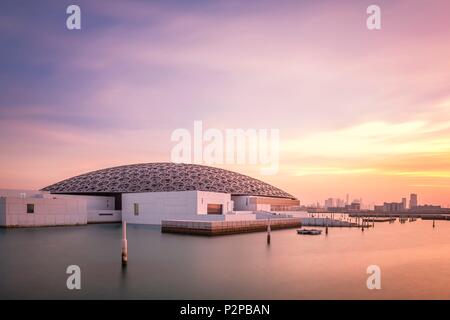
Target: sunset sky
{"points": [[360, 112]]}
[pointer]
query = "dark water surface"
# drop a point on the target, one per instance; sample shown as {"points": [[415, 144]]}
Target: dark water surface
{"points": [[414, 259]]}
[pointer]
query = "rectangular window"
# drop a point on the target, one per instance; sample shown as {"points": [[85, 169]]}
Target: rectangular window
{"points": [[214, 208], [30, 207], [136, 209]]}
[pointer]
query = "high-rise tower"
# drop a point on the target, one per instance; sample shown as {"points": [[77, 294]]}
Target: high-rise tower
{"points": [[413, 201], [404, 203]]}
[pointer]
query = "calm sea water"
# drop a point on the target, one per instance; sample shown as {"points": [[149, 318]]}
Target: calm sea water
{"points": [[414, 259]]}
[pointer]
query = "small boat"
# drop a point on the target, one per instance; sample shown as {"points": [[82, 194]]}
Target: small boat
{"points": [[313, 232]]}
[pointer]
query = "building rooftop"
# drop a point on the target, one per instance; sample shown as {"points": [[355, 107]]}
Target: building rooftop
{"points": [[166, 177]]}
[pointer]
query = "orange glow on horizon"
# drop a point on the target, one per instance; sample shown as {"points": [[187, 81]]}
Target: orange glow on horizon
{"points": [[360, 112]]}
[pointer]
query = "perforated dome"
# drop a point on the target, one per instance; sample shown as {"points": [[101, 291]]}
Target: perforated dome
{"points": [[164, 177]]}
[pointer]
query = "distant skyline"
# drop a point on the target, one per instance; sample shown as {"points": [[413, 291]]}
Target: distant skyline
{"points": [[408, 201], [360, 112]]}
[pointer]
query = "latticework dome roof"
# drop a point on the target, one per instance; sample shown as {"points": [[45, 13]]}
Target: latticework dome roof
{"points": [[164, 177]]}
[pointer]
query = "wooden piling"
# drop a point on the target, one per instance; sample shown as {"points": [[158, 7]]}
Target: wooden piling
{"points": [[124, 244]]}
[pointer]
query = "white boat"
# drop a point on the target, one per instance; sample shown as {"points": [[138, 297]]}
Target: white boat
{"points": [[309, 231]]}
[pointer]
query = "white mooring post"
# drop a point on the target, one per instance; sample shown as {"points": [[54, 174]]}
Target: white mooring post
{"points": [[124, 244]]}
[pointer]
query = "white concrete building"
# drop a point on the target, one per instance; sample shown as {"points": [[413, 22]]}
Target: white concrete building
{"points": [[100, 209], [147, 194], [153, 207], [41, 211], [30, 208]]}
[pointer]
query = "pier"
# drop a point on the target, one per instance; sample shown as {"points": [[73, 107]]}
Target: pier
{"points": [[404, 215], [387, 219], [327, 222], [215, 228]]}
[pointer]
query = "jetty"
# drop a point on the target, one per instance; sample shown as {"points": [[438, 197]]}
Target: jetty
{"points": [[407, 215], [215, 228], [328, 222], [263, 222], [387, 219]]}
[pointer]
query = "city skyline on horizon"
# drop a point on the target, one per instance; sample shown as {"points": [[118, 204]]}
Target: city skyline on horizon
{"points": [[413, 200]]}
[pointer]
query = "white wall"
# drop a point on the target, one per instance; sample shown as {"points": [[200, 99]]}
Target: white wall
{"points": [[242, 203], [100, 209], [184, 205], [241, 216], [47, 212], [204, 198], [103, 216], [17, 193], [92, 202], [263, 207]]}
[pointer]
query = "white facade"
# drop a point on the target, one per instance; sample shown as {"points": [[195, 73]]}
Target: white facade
{"points": [[104, 216], [22, 193], [245, 203], [100, 209], [54, 209], [153, 207], [138, 208], [92, 202]]}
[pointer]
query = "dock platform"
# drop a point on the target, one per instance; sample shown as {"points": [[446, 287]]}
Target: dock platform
{"points": [[387, 219], [405, 215], [214, 228], [332, 223]]}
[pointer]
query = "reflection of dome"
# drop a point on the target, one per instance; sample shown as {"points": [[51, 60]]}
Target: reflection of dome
{"points": [[163, 177]]}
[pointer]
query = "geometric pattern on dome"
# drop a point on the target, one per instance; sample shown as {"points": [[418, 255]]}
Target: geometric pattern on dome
{"points": [[164, 177]]}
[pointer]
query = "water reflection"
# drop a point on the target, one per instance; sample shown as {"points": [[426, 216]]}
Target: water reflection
{"points": [[414, 259]]}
